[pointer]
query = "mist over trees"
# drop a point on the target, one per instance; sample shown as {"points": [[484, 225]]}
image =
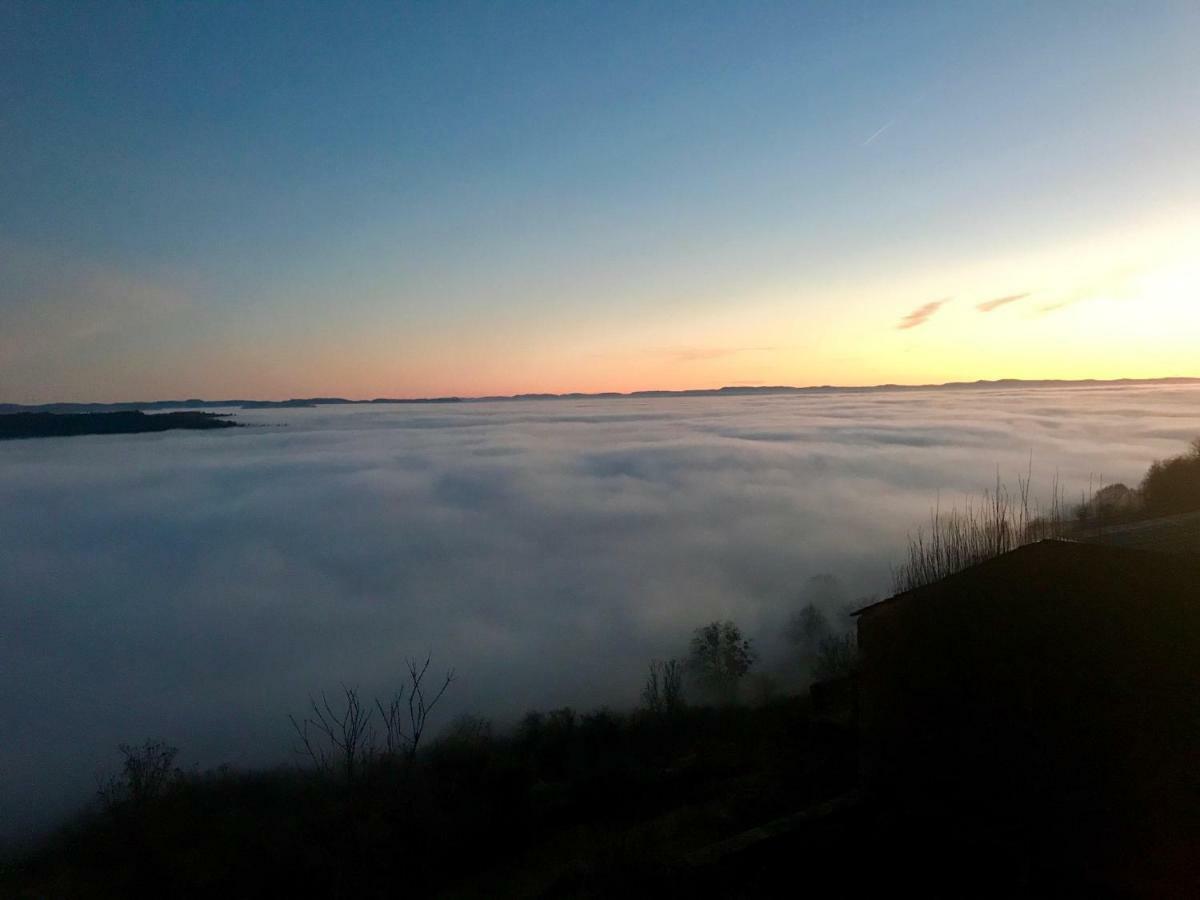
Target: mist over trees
{"points": [[821, 632], [1170, 486], [719, 656]]}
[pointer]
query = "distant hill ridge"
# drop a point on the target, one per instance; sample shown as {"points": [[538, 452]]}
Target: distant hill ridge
{"points": [[744, 390], [48, 424]]}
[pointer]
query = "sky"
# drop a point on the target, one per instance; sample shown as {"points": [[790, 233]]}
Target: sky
{"points": [[198, 586], [287, 199]]}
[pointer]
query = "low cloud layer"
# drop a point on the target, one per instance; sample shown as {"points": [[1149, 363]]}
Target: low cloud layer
{"points": [[198, 586], [921, 314]]}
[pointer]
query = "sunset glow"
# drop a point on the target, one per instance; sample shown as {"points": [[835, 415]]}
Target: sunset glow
{"points": [[766, 207], [563, 448]]}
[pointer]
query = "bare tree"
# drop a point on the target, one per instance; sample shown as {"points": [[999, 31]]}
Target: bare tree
{"points": [[148, 771], [406, 714], [663, 692], [337, 738]]}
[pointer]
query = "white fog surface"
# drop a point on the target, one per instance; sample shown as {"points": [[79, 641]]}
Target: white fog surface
{"points": [[197, 586]]}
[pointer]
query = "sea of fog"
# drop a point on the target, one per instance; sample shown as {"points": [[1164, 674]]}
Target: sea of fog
{"points": [[198, 586]]}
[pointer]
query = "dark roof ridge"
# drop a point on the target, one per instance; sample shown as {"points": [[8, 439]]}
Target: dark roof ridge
{"points": [[1033, 547]]}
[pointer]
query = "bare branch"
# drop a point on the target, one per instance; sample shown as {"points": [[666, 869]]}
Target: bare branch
{"points": [[346, 735]]}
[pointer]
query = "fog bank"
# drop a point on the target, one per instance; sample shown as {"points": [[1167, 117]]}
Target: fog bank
{"points": [[198, 586]]}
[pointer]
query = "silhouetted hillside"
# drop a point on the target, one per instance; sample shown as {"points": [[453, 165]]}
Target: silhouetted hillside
{"points": [[197, 403], [568, 804], [44, 424]]}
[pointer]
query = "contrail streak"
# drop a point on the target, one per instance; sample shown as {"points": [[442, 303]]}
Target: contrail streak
{"points": [[868, 141]]}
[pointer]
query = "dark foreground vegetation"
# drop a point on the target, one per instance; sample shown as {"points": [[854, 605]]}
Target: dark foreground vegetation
{"points": [[1004, 520], [198, 403], [568, 804], [1021, 721], [44, 424]]}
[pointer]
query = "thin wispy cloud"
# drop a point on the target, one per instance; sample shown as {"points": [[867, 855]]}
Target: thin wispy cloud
{"points": [[1119, 283], [989, 305], [921, 314], [872, 138]]}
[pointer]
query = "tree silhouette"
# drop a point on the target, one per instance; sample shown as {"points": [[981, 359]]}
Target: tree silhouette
{"points": [[1173, 485], [337, 737], [146, 774], [718, 658], [408, 711], [663, 693]]}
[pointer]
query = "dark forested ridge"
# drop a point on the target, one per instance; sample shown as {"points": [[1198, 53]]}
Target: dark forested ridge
{"points": [[728, 391], [197, 403], [45, 424]]}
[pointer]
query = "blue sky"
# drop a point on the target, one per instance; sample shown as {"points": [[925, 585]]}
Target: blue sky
{"points": [[380, 199]]}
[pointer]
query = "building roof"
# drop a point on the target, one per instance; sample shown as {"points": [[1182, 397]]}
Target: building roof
{"points": [[1057, 566]]}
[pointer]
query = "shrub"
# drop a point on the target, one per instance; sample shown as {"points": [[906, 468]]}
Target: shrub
{"points": [[1173, 485], [147, 773], [1112, 503]]}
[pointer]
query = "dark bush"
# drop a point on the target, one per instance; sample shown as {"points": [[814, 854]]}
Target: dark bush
{"points": [[1173, 485]]}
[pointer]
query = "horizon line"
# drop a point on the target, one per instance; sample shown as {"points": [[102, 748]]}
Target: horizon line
{"points": [[727, 390]]}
